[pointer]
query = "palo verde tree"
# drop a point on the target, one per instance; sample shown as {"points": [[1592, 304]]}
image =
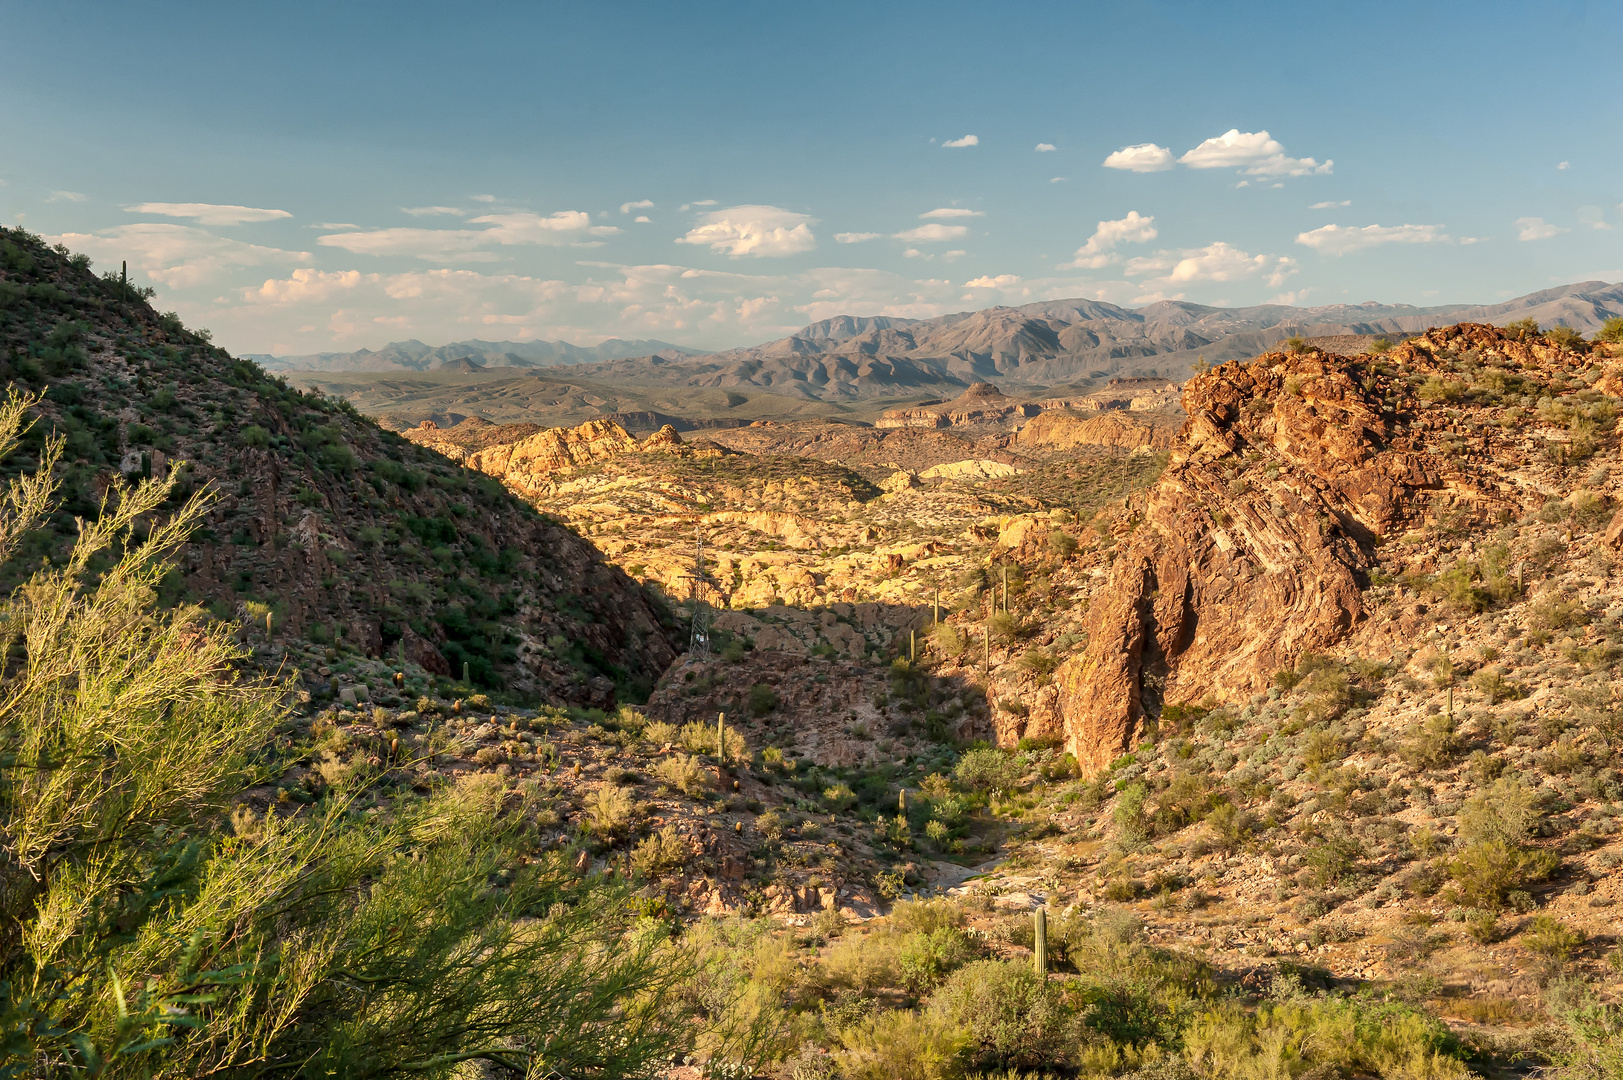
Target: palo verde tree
{"points": [[143, 934]]}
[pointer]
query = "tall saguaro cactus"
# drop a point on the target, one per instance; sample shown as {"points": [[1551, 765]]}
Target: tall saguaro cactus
{"points": [[1040, 942]]}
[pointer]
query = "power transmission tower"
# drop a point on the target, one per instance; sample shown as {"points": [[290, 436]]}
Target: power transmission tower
{"points": [[699, 638]]}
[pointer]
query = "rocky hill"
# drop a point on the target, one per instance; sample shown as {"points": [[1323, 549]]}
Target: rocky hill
{"points": [[1058, 342], [350, 540]]}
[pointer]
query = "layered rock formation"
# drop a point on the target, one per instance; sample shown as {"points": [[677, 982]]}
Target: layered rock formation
{"points": [[1254, 547], [1060, 432], [982, 403], [529, 464]]}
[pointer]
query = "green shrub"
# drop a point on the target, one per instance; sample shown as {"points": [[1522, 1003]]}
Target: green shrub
{"points": [[1548, 937], [681, 772], [1351, 1036], [1014, 1017], [762, 699], [254, 437], [1128, 815], [902, 1045], [1435, 743], [927, 957], [926, 916], [1487, 872], [660, 853], [988, 769], [1611, 331], [864, 963], [610, 811]]}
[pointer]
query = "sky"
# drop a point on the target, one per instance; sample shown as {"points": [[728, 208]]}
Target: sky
{"points": [[327, 177]]}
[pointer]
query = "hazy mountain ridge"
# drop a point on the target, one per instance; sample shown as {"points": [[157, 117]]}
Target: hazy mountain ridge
{"points": [[414, 355], [1061, 341]]}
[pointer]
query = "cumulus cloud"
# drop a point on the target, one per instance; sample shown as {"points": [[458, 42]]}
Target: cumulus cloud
{"points": [[1219, 262], [1341, 239], [1046, 148], [760, 231], [1535, 228], [1100, 249], [855, 237], [1593, 216], [209, 213], [967, 140], [1254, 153], [1330, 205], [430, 211], [1002, 281], [565, 227], [1145, 157], [175, 255], [642, 219], [640, 204], [932, 234], [1563, 166], [952, 212]]}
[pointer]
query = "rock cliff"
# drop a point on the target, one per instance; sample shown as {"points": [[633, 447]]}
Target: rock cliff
{"points": [[982, 403], [1256, 545]]}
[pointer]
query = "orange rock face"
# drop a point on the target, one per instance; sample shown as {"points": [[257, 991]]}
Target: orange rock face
{"points": [[1255, 545], [1119, 429]]}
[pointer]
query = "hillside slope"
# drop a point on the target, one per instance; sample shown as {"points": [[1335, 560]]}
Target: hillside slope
{"points": [[355, 540]]}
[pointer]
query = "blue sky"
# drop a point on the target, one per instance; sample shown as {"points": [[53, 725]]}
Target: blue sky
{"points": [[303, 177]]}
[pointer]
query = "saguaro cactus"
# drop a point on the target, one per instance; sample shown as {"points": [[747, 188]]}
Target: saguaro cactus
{"points": [[721, 738], [1040, 942], [465, 673]]}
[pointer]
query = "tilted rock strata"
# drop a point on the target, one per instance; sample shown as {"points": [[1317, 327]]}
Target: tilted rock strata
{"points": [[1256, 543]]}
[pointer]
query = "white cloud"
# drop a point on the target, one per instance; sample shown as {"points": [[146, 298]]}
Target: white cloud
{"points": [[967, 140], [1342, 239], [179, 256], [1564, 165], [952, 212], [640, 204], [1533, 228], [1100, 249], [932, 234], [1145, 157], [306, 286], [1593, 216], [641, 219], [1254, 153], [425, 211], [67, 196], [1046, 148], [1330, 205], [520, 227], [1058, 179], [1217, 262], [855, 237], [209, 213], [483, 198], [1002, 281], [761, 231]]}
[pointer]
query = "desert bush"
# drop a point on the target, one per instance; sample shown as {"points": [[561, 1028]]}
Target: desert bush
{"points": [[926, 916], [1435, 743], [1333, 857], [660, 853], [1005, 627], [1128, 815], [1553, 612], [1505, 812], [864, 963], [1593, 1045], [123, 735], [762, 699], [1487, 872], [988, 769], [1014, 1018], [928, 957], [1286, 1038], [610, 811], [659, 733], [902, 1045], [681, 772], [947, 640], [702, 738], [1548, 937]]}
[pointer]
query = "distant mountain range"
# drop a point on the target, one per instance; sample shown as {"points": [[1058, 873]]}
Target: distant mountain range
{"points": [[1059, 342], [474, 355]]}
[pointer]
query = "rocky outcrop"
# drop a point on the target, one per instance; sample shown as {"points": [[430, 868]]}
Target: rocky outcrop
{"points": [[973, 469], [1255, 545], [1133, 394], [982, 403], [1057, 432], [529, 463]]}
